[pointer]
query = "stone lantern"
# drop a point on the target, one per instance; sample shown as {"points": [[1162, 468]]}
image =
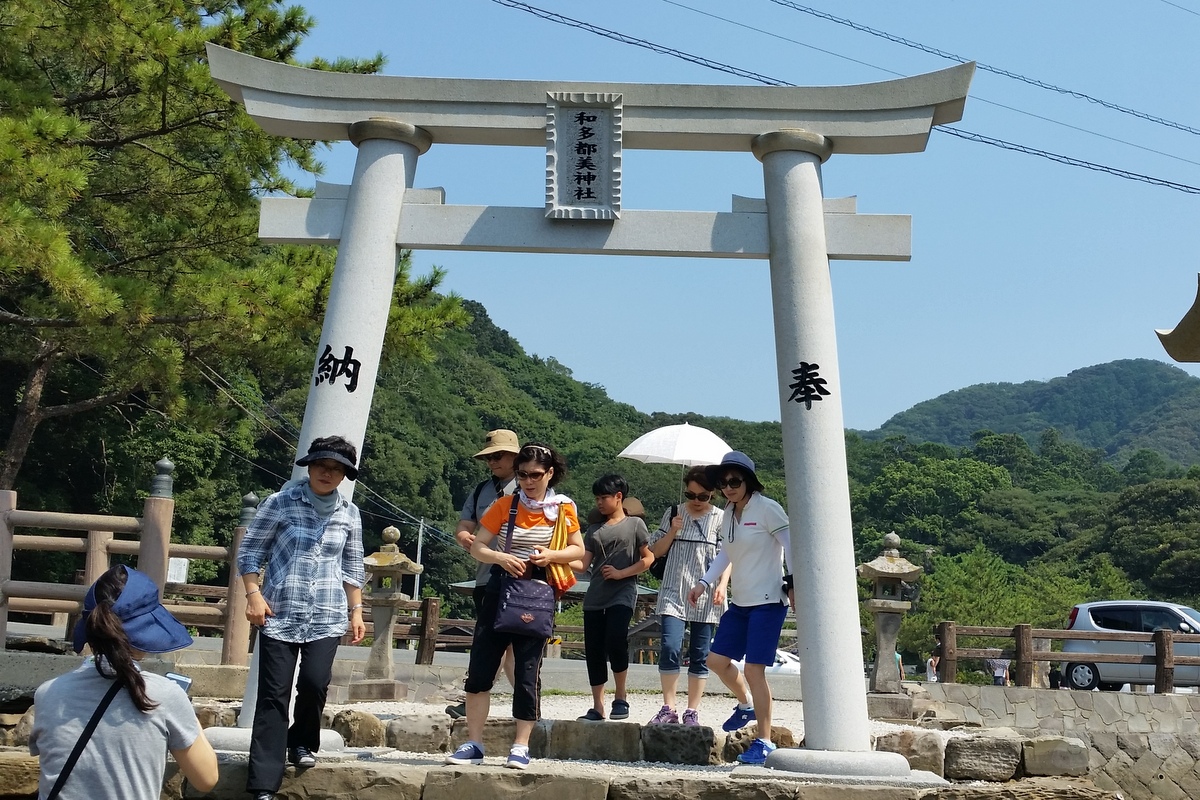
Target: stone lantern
{"points": [[388, 566], [887, 573]]}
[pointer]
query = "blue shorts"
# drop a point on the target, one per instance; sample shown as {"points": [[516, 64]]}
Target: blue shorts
{"points": [[750, 631]]}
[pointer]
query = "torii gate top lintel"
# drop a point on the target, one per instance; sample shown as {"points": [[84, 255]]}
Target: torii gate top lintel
{"points": [[887, 117]]}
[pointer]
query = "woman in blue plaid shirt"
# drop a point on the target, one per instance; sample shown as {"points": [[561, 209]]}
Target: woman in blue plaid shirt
{"points": [[310, 539]]}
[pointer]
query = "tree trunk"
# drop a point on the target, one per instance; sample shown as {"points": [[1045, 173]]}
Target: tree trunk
{"points": [[27, 417]]}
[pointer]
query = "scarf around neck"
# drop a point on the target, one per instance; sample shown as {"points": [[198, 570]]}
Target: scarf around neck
{"points": [[323, 505], [548, 505]]}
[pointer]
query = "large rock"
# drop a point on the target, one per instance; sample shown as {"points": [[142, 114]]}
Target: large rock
{"points": [[24, 727], [360, 780], [679, 744], [496, 783], [715, 787], [18, 775], [498, 735], [982, 758], [737, 742], [1053, 755], [419, 732], [594, 741], [925, 750], [215, 716], [359, 728], [1030, 789]]}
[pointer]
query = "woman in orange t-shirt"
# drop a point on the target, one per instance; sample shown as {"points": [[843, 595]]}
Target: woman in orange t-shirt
{"points": [[539, 469]]}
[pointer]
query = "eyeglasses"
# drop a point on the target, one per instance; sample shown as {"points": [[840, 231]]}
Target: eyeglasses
{"points": [[531, 476], [703, 497], [732, 483], [494, 456]]}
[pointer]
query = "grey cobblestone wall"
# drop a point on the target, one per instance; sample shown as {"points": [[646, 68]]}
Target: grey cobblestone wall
{"points": [[1143, 745]]}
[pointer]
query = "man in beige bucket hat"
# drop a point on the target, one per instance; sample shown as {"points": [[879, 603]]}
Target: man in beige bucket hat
{"points": [[500, 448]]}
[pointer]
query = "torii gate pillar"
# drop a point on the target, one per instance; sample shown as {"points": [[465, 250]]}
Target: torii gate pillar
{"points": [[822, 548], [360, 295]]}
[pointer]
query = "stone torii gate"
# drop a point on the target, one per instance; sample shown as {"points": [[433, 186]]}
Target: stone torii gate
{"points": [[585, 127]]}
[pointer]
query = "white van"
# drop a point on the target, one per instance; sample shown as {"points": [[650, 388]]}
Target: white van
{"points": [[1128, 616]]}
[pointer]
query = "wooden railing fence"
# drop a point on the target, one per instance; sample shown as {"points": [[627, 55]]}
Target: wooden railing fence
{"points": [[1024, 657], [220, 608]]}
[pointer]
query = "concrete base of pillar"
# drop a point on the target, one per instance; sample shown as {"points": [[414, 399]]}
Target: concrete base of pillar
{"points": [[379, 689], [237, 740], [889, 706], [865, 766]]}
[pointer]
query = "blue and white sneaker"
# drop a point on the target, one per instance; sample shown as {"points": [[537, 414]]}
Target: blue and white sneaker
{"points": [[740, 719], [757, 752], [467, 753], [518, 758]]}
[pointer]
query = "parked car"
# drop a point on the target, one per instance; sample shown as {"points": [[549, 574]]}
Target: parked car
{"points": [[1128, 616], [785, 664]]}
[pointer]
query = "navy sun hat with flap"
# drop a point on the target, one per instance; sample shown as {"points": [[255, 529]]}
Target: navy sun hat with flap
{"points": [[738, 460], [317, 455], [147, 623]]}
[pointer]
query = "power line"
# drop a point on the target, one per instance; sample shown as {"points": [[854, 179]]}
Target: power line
{"points": [[1061, 159], [986, 67], [732, 70], [623, 39], [372, 495], [1181, 8], [975, 97], [781, 37]]}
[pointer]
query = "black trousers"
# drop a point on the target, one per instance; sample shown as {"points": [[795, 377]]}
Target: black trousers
{"points": [[606, 641], [487, 651], [272, 737]]}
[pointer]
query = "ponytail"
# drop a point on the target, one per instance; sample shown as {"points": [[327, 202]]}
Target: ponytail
{"points": [[110, 646]]}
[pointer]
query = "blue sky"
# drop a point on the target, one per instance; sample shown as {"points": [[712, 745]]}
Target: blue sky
{"points": [[1022, 268]]}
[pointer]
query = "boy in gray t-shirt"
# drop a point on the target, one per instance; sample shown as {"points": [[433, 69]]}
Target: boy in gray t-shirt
{"points": [[616, 552]]}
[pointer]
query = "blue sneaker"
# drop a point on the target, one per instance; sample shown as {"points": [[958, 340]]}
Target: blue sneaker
{"points": [[740, 719], [757, 752], [467, 753], [518, 758]]}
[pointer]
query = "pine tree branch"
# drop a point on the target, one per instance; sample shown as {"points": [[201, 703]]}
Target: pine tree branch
{"points": [[9, 318], [50, 412], [162, 130]]}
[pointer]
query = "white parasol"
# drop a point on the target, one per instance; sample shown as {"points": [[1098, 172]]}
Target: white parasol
{"points": [[688, 445]]}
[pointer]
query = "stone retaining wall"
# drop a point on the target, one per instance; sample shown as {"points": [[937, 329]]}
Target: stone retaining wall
{"points": [[422, 780], [1058, 711], [1143, 745]]}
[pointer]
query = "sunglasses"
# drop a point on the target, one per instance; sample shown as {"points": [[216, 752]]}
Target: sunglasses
{"points": [[531, 476], [732, 483], [703, 497], [494, 456]]}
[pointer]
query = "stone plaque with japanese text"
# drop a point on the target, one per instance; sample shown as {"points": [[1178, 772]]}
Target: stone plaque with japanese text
{"points": [[583, 155]]}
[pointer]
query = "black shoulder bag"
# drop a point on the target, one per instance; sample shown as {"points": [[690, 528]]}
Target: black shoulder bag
{"points": [[659, 567], [88, 730], [526, 605]]}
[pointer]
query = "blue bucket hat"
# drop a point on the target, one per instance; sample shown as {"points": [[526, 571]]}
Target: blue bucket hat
{"points": [[147, 623], [741, 462]]}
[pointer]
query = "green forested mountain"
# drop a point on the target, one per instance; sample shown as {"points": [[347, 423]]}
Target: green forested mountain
{"points": [[1119, 407], [1010, 530]]}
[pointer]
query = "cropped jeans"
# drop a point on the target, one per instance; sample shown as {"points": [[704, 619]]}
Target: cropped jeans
{"points": [[672, 644]]}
